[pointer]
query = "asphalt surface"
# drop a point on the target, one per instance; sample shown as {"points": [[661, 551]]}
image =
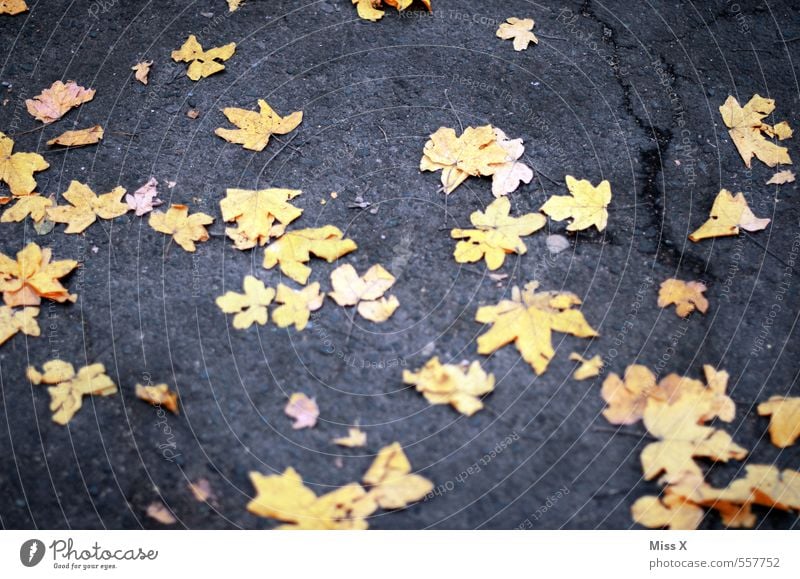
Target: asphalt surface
{"points": [[614, 90]]}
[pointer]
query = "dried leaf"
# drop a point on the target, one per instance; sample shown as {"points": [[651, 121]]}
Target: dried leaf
{"points": [[16, 170], [33, 276], [627, 399], [728, 214], [686, 296], [56, 101], [145, 198], [588, 368], [452, 384], [297, 305], [184, 228], [497, 234], [389, 478], [366, 292], [13, 7], [293, 249], [142, 70], [355, 438], [251, 306], [749, 133], [33, 206], [79, 138], [586, 204], [370, 9], [13, 321], [203, 63], [201, 490], [256, 213], [158, 395], [303, 410], [255, 128], [160, 513], [85, 207], [66, 396], [528, 319], [782, 177], [508, 176], [672, 511], [520, 29], [784, 424], [233, 5]]}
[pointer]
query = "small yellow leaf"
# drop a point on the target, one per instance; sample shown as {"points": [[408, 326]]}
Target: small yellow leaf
{"points": [[69, 387], [203, 63], [255, 128], [749, 133], [452, 384], [588, 368], [158, 395], [627, 399], [79, 138], [22, 320], [782, 177], [13, 7], [85, 207], [34, 206], [671, 511], [294, 248], [355, 438], [184, 228], [784, 424], [142, 71], [233, 5], [297, 305], [56, 101], [17, 169], [685, 295], [251, 306], [520, 29], [255, 213], [365, 292], [728, 214], [389, 478], [160, 513], [33, 276], [586, 204]]}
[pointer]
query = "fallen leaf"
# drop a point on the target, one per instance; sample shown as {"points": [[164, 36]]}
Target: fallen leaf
{"points": [[22, 320], [79, 138], [255, 128], [13, 7], [251, 306], [17, 169], [586, 204], [458, 385], [145, 198], [142, 70], [355, 438], [56, 101], [588, 368], [528, 319], [297, 305], [520, 29], [193, 113], [556, 244], [366, 292], [390, 482], [671, 511], [201, 491], [185, 228], [294, 248], [85, 207], [782, 177], [33, 206], [233, 5], [69, 387], [497, 234], [371, 9], [627, 399], [303, 410], [784, 424], [256, 213], [749, 133], [508, 176], [685, 295], [160, 513], [203, 63], [33, 276], [728, 214], [158, 395]]}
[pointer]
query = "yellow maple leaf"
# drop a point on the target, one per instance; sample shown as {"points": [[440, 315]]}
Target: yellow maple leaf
{"points": [[294, 248], [13, 7], [371, 9], [520, 29], [158, 395], [365, 292], [748, 131], [588, 368], [17, 169], [85, 207], [203, 63], [507, 176], [33, 276], [184, 228], [251, 306], [528, 319], [233, 5], [784, 424], [627, 398], [585, 205], [34, 206], [255, 128], [69, 387], [284, 497], [79, 138], [390, 481], [297, 305], [457, 385], [686, 296], [255, 213], [22, 320], [728, 214], [782, 177], [497, 234], [355, 438], [142, 71], [671, 511], [56, 101]]}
